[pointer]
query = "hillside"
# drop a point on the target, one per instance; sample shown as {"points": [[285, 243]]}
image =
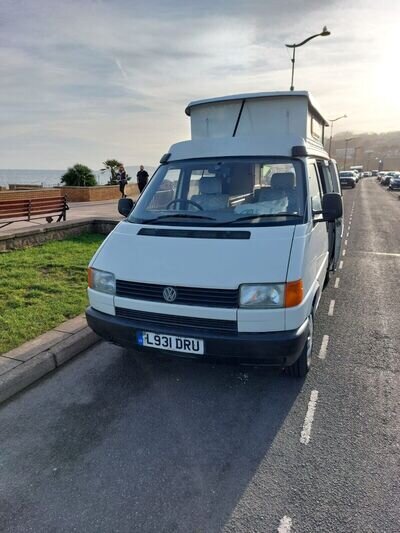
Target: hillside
{"points": [[372, 150]]}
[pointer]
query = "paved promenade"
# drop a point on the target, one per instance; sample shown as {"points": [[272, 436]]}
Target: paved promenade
{"points": [[77, 210]]}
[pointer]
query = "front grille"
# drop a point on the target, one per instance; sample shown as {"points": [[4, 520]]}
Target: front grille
{"points": [[227, 298], [152, 320]]}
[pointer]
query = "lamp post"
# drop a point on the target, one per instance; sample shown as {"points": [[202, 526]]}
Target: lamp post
{"points": [[324, 33], [355, 154], [368, 153], [345, 151], [330, 138]]}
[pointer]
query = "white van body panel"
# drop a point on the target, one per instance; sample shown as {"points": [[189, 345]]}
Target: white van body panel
{"points": [[309, 262], [278, 145], [200, 263], [210, 263], [261, 320], [101, 301]]}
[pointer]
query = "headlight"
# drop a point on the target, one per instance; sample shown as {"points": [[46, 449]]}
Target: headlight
{"points": [[262, 296], [101, 281]]}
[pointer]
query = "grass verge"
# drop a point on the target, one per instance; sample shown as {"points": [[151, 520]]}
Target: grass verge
{"points": [[43, 286]]}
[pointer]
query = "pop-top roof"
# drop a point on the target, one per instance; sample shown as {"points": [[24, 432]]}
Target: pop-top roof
{"points": [[248, 96]]}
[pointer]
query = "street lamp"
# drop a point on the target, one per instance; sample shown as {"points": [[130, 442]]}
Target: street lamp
{"points": [[345, 151], [368, 153], [355, 154], [324, 33], [330, 139]]}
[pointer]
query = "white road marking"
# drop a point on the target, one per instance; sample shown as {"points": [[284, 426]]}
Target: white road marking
{"points": [[380, 253], [340, 265], [331, 308], [345, 242], [285, 525], [344, 252], [306, 431], [324, 347], [348, 233], [337, 280]]}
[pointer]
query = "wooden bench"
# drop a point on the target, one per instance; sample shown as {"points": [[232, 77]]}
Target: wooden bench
{"points": [[31, 209]]}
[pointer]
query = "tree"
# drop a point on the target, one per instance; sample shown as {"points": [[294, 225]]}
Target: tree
{"points": [[112, 165], [79, 176]]}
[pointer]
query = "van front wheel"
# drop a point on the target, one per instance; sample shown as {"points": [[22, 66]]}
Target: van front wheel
{"points": [[300, 368]]}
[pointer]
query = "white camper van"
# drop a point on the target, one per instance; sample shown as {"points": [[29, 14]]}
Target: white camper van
{"points": [[225, 254]]}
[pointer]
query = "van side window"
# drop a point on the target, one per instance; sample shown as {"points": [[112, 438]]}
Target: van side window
{"points": [[314, 187], [335, 177], [326, 177]]}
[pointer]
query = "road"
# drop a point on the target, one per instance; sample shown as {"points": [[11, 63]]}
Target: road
{"points": [[119, 442]]}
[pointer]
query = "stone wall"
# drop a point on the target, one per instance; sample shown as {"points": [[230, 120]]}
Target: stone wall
{"points": [[74, 194], [98, 193], [56, 231], [22, 187], [24, 195]]}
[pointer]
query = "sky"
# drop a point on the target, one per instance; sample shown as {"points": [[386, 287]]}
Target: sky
{"points": [[88, 80]]}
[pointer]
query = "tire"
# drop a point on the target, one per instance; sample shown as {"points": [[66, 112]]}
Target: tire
{"points": [[300, 368], [353, 186]]}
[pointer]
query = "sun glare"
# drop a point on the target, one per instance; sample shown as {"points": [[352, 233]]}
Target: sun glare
{"points": [[386, 75]]}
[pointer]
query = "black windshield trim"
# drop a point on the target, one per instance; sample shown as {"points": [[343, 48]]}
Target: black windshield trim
{"points": [[206, 224], [177, 215], [263, 216], [136, 216]]}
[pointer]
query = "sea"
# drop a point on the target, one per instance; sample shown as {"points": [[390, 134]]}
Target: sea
{"points": [[52, 178]]}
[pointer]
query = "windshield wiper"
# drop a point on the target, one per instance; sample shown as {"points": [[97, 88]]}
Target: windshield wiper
{"points": [[161, 217], [265, 215]]}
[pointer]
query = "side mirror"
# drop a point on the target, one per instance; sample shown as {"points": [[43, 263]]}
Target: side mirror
{"points": [[332, 206], [125, 206]]}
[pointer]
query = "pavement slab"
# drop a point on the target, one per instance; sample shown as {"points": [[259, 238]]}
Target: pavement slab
{"points": [[7, 364], [31, 361]]}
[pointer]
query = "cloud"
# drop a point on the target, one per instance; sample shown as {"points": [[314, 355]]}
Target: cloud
{"points": [[84, 77]]}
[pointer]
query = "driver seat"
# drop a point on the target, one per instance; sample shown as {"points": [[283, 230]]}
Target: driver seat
{"points": [[210, 197]]}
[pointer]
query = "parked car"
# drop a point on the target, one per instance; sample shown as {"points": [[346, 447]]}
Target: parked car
{"points": [[381, 175], [394, 183], [348, 178], [358, 170], [385, 180], [231, 268], [374, 173]]}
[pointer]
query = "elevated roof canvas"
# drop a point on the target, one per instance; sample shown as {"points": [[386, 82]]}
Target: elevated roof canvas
{"points": [[247, 96]]}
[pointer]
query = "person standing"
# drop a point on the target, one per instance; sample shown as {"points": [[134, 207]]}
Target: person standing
{"points": [[123, 180], [142, 178]]}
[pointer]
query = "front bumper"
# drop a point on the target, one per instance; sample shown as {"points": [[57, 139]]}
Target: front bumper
{"points": [[277, 348]]}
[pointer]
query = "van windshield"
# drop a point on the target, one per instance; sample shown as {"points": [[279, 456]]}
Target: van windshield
{"points": [[240, 191]]}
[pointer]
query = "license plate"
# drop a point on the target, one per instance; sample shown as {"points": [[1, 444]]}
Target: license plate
{"points": [[170, 342]]}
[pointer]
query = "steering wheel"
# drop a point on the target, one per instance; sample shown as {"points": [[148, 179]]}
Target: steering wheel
{"points": [[186, 202]]}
